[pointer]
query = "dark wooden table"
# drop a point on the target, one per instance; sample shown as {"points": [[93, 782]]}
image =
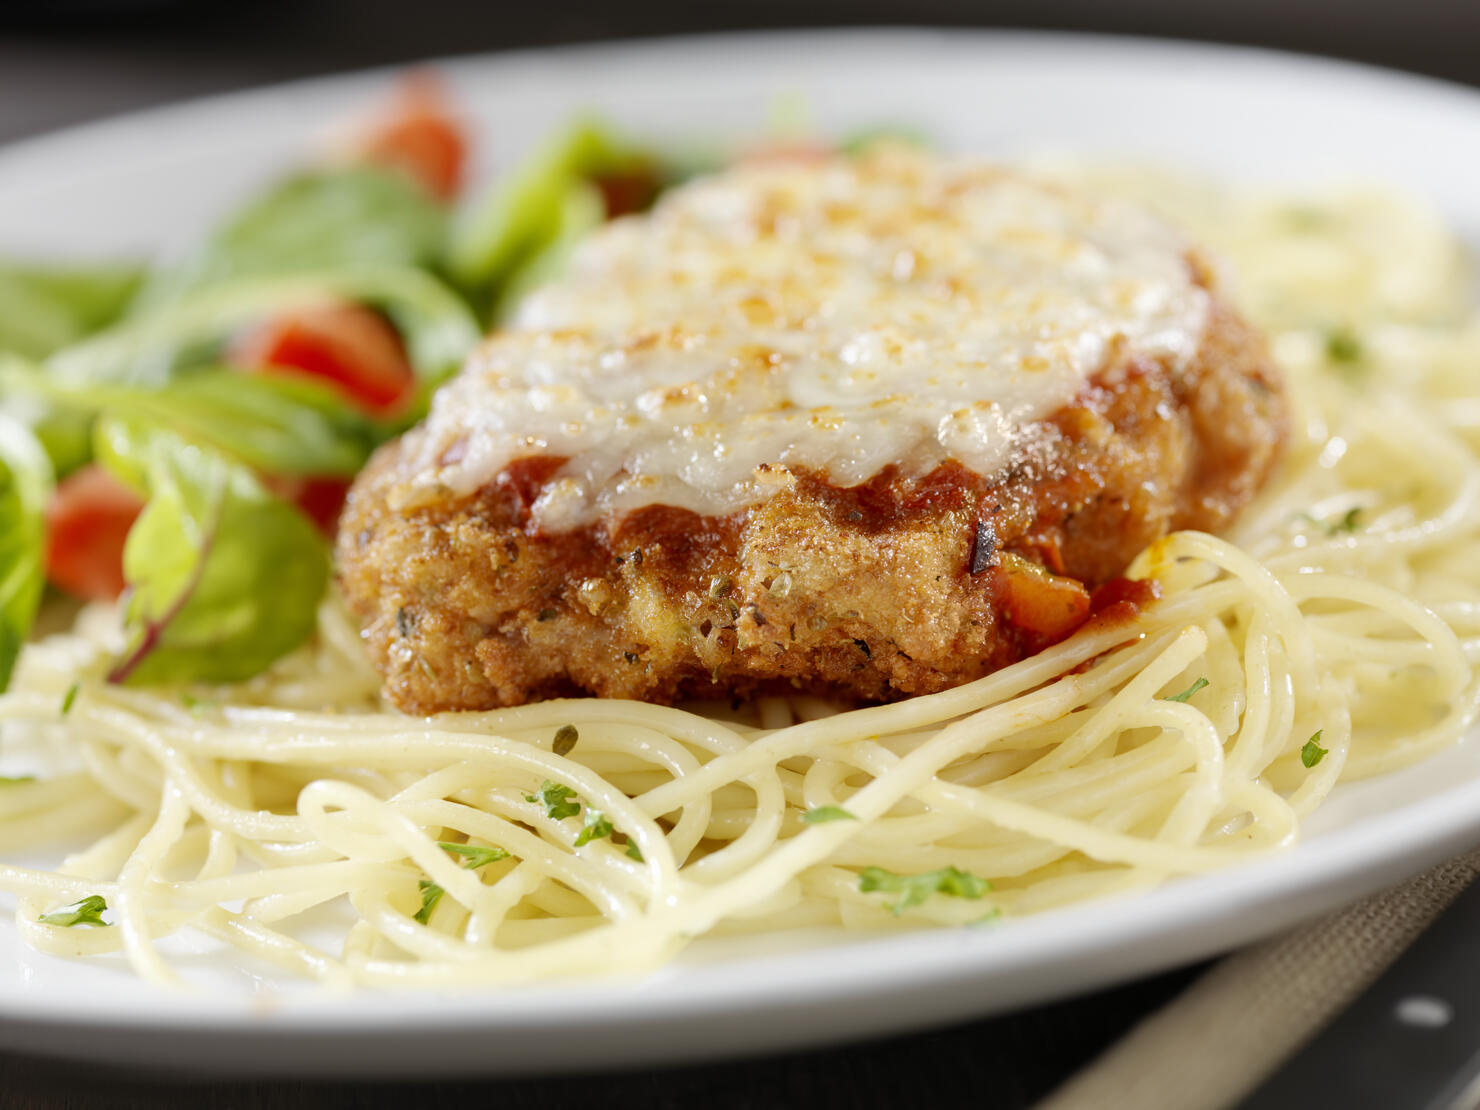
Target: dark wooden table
{"points": [[63, 61]]}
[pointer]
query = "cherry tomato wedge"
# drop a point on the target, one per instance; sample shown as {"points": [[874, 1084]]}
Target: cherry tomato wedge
{"points": [[86, 525], [319, 498], [344, 344], [420, 135]]}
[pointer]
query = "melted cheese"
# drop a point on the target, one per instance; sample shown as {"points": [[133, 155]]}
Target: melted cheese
{"points": [[843, 316]]}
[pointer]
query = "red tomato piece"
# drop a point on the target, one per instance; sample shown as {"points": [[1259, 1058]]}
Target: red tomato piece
{"points": [[420, 135], [344, 344], [319, 498], [86, 524], [1046, 605]]}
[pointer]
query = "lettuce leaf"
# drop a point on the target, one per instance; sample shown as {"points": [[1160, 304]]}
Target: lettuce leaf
{"points": [[523, 211], [63, 432], [581, 211], [223, 578], [43, 308], [276, 424], [317, 220], [25, 485], [436, 325]]}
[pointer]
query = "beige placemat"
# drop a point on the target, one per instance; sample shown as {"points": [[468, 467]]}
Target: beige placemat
{"points": [[1216, 1041]]}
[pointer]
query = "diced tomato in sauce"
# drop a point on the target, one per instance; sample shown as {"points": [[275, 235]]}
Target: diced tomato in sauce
{"points": [[1124, 598], [1048, 606]]}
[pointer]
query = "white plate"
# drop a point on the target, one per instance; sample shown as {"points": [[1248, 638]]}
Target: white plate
{"points": [[152, 180]]}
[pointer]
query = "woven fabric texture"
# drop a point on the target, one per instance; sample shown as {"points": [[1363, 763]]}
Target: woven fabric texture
{"points": [[1214, 1043]]}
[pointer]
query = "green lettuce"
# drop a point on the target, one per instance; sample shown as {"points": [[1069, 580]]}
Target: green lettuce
{"points": [[277, 424], [224, 579], [525, 210], [43, 308], [323, 219], [146, 349], [581, 211], [25, 485]]}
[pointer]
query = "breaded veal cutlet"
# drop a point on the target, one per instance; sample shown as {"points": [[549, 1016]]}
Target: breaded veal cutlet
{"points": [[867, 428]]}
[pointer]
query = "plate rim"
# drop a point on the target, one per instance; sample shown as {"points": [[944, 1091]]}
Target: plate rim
{"points": [[90, 130]]}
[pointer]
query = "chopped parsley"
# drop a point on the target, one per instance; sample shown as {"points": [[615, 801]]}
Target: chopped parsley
{"points": [[597, 827], [565, 739], [560, 801], [1300, 217], [474, 856], [87, 911], [1186, 694], [71, 698], [1346, 525], [431, 894], [823, 814], [914, 889], [1343, 346], [634, 852], [556, 798], [1313, 753]]}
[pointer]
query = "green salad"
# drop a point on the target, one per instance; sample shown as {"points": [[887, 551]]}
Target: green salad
{"points": [[182, 436]]}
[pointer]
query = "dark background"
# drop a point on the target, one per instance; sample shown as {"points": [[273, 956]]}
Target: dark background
{"points": [[66, 61]]}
